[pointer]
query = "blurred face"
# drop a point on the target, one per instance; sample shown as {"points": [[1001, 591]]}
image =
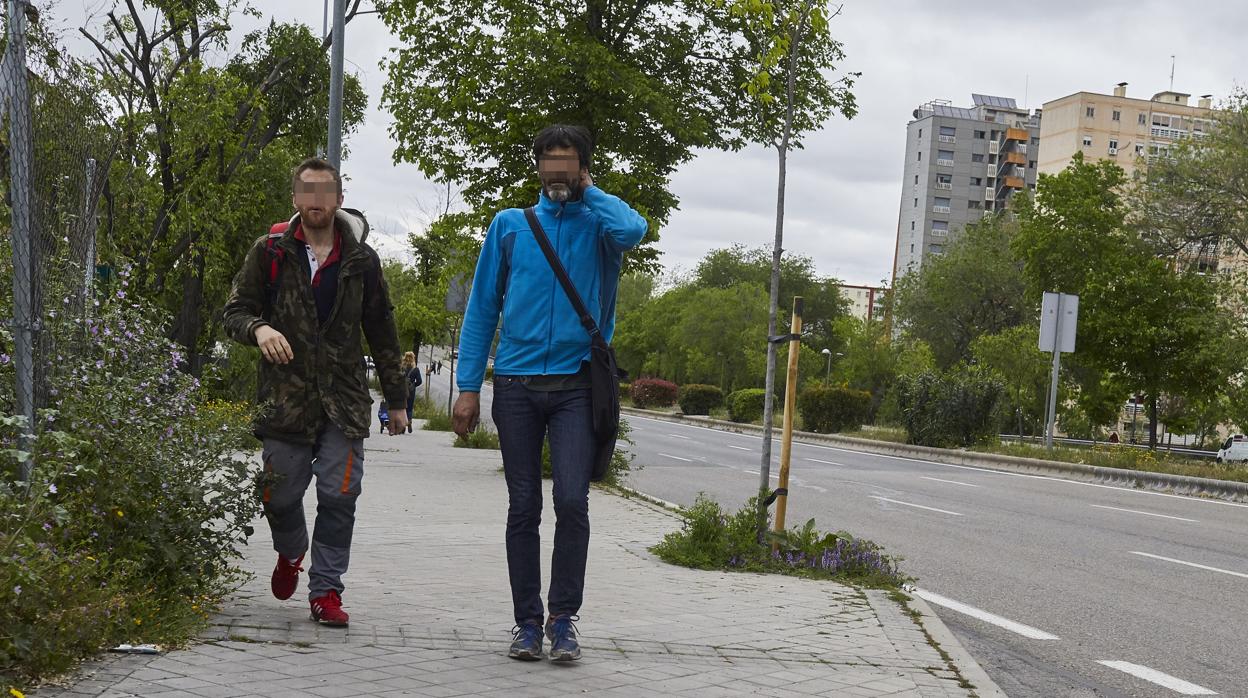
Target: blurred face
{"points": [[560, 172], [316, 198]]}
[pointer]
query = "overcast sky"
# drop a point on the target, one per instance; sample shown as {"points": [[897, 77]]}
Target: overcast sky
{"points": [[844, 187]]}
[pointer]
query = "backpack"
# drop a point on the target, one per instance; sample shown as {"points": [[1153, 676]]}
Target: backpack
{"points": [[276, 255]]}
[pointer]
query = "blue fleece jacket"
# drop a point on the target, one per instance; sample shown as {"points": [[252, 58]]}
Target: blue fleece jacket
{"points": [[541, 333]]}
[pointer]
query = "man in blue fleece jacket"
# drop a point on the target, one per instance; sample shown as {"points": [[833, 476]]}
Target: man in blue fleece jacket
{"points": [[541, 373]]}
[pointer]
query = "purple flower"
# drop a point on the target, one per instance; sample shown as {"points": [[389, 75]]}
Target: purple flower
{"points": [[52, 488], [47, 526], [4, 358], [17, 590]]}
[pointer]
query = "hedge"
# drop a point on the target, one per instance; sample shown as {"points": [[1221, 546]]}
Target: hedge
{"points": [[696, 398], [830, 410], [951, 409], [746, 405], [653, 392]]}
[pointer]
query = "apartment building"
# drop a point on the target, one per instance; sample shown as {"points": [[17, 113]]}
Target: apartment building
{"points": [[1127, 130], [865, 302], [960, 163]]}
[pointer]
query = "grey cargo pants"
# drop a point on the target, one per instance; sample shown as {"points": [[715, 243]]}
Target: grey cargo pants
{"points": [[338, 464]]}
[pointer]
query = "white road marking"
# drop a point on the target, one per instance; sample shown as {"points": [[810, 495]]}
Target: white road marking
{"points": [[1190, 564], [740, 448], [970, 467], [666, 455], [1153, 676], [678, 436], [1035, 477], [1145, 513], [951, 482], [816, 488], [825, 462], [1014, 627], [916, 506]]}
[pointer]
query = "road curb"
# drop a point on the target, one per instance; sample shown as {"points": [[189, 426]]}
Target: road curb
{"points": [[1179, 484], [970, 669]]}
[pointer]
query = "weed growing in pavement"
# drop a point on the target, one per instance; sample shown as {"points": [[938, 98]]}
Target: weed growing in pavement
{"points": [[436, 420], [483, 437], [715, 539]]}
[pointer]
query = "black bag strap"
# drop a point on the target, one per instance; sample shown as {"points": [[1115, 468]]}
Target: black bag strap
{"points": [[587, 320]]}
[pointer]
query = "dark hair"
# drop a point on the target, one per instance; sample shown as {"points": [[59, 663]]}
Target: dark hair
{"points": [[318, 165], [562, 136]]}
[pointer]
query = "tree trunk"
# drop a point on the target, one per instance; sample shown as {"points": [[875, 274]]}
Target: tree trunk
{"points": [[1152, 420], [190, 320]]}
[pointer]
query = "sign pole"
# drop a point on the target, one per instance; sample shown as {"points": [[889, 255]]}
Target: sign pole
{"points": [[1057, 359]]}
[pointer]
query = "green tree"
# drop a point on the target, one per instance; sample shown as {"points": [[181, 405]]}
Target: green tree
{"points": [[206, 144], [1025, 371], [973, 289], [1153, 328]]}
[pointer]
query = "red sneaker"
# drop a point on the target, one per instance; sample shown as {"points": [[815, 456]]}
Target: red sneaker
{"points": [[285, 577], [327, 610]]}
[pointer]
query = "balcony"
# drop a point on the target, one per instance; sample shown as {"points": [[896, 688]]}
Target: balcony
{"points": [[1014, 182], [944, 185], [1171, 133], [1017, 134], [1016, 158], [940, 209], [989, 193], [947, 139], [994, 148], [945, 163]]}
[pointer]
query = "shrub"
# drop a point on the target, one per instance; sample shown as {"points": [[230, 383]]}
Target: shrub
{"points": [[831, 410], [131, 523], [481, 437], [957, 408], [653, 392], [700, 399], [746, 405], [714, 539]]}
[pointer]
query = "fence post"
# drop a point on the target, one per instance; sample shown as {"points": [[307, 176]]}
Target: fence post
{"points": [[20, 161]]}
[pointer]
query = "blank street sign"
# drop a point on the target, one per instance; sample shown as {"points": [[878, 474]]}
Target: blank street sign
{"points": [[1050, 326]]}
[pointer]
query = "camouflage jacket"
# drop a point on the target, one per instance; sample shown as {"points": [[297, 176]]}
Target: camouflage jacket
{"points": [[326, 379]]}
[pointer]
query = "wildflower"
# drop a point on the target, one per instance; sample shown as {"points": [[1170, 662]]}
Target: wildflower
{"points": [[119, 513], [52, 488], [16, 693], [17, 590], [4, 358]]}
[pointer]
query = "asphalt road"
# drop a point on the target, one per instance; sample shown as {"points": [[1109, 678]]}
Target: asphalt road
{"points": [[1118, 592]]}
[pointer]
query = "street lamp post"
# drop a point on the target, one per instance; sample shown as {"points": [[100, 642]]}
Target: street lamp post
{"points": [[827, 378]]}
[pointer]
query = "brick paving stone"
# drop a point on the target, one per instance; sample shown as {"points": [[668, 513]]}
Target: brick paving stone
{"points": [[431, 612]]}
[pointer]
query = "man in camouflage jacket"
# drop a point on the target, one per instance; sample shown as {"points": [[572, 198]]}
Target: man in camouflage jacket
{"points": [[305, 294]]}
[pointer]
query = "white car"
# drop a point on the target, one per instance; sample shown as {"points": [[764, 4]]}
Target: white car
{"points": [[1234, 449]]}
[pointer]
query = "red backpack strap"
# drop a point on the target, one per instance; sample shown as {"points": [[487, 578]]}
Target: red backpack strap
{"points": [[276, 232]]}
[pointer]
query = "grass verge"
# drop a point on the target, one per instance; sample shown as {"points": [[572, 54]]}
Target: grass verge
{"points": [[1124, 457], [714, 539]]}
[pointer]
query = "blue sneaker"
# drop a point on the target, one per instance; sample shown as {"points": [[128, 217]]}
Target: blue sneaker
{"points": [[562, 634], [527, 642]]}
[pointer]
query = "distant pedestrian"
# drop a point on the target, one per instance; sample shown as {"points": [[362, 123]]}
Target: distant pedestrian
{"points": [[411, 372], [541, 376], [307, 294]]}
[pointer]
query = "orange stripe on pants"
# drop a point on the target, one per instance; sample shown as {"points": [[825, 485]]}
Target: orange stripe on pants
{"points": [[346, 479]]}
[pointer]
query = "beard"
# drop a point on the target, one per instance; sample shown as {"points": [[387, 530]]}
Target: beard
{"points": [[317, 218], [562, 192]]}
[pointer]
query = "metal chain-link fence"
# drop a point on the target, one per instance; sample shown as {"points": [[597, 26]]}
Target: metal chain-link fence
{"points": [[56, 146]]}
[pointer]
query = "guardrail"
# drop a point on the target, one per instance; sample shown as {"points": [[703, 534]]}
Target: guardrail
{"points": [[1176, 450]]}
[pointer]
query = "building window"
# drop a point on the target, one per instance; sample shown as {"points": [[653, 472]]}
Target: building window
{"points": [[977, 181], [1113, 146], [1117, 115], [1087, 140], [912, 249], [944, 179], [936, 249], [977, 157], [1031, 164], [920, 133], [940, 227], [916, 203], [920, 156], [1139, 148], [912, 225], [944, 157], [1091, 112], [972, 204], [941, 204], [1035, 140], [948, 131], [916, 179], [980, 135], [1143, 119]]}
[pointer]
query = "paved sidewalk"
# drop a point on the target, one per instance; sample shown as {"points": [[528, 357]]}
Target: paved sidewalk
{"points": [[431, 612]]}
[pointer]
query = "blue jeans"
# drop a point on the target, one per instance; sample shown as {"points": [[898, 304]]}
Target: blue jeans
{"points": [[524, 418]]}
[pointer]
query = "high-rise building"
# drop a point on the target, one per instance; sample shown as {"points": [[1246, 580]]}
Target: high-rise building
{"points": [[865, 302], [960, 163], [1126, 130]]}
